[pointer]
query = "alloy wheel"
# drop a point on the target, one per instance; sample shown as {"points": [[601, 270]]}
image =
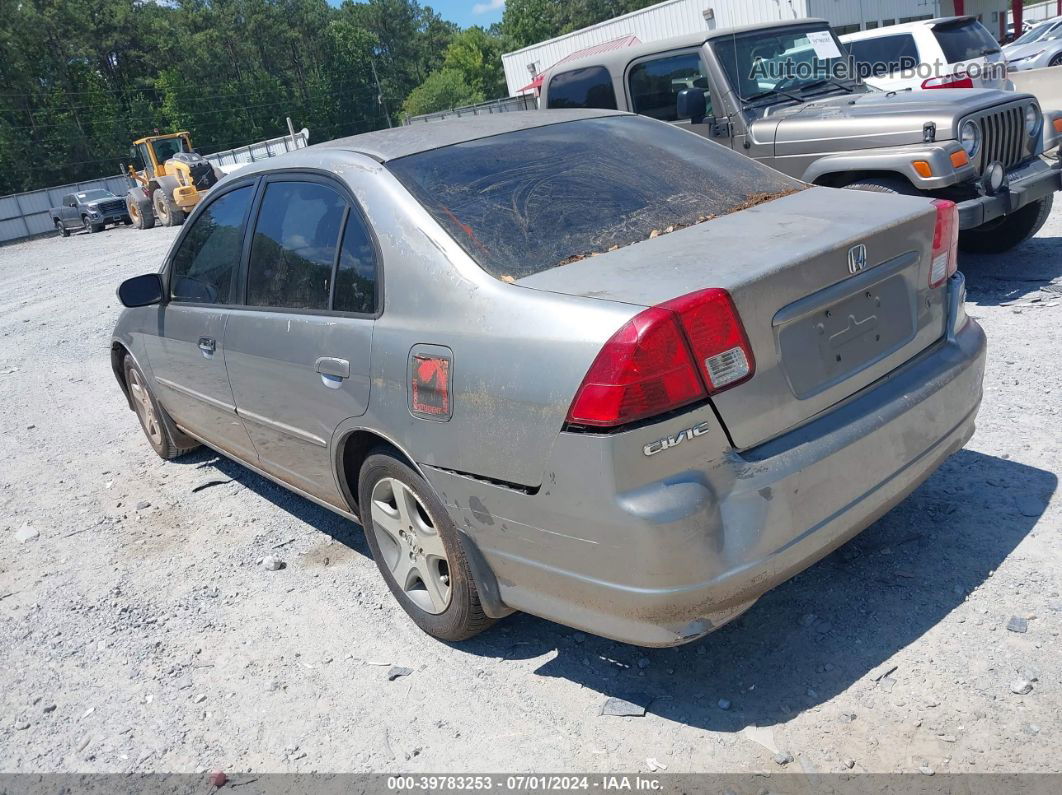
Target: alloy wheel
{"points": [[145, 409], [410, 545]]}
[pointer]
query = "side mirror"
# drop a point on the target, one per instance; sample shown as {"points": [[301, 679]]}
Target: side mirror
{"points": [[692, 105], [141, 290]]}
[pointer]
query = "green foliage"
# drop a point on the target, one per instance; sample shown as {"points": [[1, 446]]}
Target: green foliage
{"points": [[477, 56], [444, 89], [527, 22], [80, 79]]}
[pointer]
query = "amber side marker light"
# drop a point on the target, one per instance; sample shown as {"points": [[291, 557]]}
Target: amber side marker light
{"points": [[1058, 125], [923, 168], [960, 159]]}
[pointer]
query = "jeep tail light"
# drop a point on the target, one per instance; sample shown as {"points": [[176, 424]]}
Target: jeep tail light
{"points": [[945, 255], [716, 337], [949, 81], [664, 358], [644, 369]]}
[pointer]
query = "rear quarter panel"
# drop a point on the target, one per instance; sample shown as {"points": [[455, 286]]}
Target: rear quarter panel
{"points": [[518, 355]]}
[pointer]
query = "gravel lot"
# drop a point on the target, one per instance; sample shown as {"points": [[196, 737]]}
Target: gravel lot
{"points": [[139, 633]]}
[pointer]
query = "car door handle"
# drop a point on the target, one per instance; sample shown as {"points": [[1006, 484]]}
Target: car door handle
{"points": [[207, 345], [335, 368]]}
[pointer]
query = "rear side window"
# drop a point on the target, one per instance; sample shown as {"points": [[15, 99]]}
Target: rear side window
{"points": [[356, 272], [294, 246], [526, 201], [884, 55], [206, 260], [582, 88], [964, 41], [655, 85]]}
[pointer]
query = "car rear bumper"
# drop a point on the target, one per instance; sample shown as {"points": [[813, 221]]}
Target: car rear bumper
{"points": [[668, 561], [1028, 183]]}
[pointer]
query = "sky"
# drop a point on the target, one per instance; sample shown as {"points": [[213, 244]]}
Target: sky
{"points": [[464, 12]]}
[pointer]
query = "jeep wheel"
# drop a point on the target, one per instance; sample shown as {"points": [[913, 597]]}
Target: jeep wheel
{"points": [[1005, 233], [166, 209], [883, 185], [62, 230], [416, 547], [140, 212]]}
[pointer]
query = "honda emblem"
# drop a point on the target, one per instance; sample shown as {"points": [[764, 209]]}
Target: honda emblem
{"points": [[857, 258]]}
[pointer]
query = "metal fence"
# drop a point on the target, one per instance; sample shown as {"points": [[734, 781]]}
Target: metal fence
{"points": [[261, 150], [507, 105], [26, 214]]}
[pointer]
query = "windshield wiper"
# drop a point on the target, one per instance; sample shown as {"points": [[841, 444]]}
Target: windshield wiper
{"points": [[771, 92], [827, 81]]}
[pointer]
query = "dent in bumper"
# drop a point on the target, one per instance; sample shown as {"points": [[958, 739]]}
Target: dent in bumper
{"points": [[673, 559]]}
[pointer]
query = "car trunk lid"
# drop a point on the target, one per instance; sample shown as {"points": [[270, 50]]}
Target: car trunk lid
{"points": [[830, 300]]}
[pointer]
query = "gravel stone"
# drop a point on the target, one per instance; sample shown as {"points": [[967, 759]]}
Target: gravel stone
{"points": [[397, 672], [1018, 624], [1021, 687], [26, 533]]}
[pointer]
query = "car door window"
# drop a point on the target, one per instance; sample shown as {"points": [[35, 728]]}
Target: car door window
{"points": [[582, 88], [294, 248], [356, 273], [655, 85], [209, 254]]}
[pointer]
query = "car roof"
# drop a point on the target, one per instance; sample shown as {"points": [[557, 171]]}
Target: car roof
{"points": [[621, 57], [410, 139], [904, 27]]}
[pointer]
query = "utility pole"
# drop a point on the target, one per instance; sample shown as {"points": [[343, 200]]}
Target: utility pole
{"points": [[379, 92]]}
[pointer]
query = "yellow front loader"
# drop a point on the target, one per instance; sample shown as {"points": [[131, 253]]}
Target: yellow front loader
{"points": [[171, 179]]}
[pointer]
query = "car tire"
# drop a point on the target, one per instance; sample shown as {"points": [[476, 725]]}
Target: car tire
{"points": [[883, 185], [97, 227], [417, 549], [1005, 233], [61, 229], [166, 209], [1056, 60], [163, 436], [141, 212], [90, 227]]}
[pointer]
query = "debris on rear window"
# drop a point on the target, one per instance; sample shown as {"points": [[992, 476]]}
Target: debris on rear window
{"points": [[754, 200], [553, 195]]}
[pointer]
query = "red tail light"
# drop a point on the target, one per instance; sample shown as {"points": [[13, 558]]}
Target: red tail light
{"points": [[945, 257], [647, 367], [716, 336], [950, 81]]}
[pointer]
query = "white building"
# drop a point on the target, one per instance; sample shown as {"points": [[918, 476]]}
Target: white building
{"points": [[675, 17]]}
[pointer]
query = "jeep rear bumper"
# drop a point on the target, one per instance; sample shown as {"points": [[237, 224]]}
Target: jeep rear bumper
{"points": [[1027, 184]]}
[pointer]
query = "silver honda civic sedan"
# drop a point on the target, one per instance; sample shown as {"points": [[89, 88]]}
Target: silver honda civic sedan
{"points": [[583, 364]]}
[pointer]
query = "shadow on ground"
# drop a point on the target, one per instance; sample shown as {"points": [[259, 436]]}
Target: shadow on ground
{"points": [[1016, 276], [803, 642]]}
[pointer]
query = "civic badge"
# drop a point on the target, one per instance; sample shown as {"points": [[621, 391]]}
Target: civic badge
{"points": [[857, 258]]}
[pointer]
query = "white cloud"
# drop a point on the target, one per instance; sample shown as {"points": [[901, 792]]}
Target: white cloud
{"points": [[488, 6]]}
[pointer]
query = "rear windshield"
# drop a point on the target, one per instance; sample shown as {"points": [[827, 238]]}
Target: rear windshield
{"points": [[523, 202], [884, 55], [965, 41]]}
